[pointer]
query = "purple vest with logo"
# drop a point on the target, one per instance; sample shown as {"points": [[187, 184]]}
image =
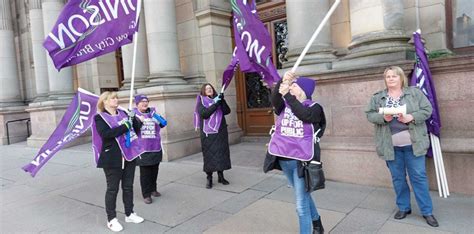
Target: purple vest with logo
{"points": [[213, 123], [113, 121], [292, 138], [149, 136]]}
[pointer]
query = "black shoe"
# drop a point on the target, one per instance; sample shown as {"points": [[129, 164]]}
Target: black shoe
{"points": [[430, 220], [209, 182], [318, 226], [221, 179], [155, 194], [401, 214]]}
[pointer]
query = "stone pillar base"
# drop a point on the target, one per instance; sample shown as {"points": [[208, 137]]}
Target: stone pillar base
{"points": [[372, 60], [17, 130], [156, 79], [318, 57], [140, 82], [177, 103]]}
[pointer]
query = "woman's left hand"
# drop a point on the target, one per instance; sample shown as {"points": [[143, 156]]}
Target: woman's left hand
{"points": [[405, 118]]}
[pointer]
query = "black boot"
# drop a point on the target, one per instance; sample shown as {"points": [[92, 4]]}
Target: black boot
{"points": [[209, 180], [318, 226], [220, 178]]}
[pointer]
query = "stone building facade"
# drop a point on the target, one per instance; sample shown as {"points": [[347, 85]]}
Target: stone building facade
{"points": [[185, 43]]}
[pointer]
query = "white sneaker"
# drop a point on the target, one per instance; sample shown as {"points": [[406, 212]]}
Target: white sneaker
{"points": [[134, 218], [114, 225]]}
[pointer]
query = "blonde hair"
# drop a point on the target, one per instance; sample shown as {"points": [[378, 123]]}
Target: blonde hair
{"points": [[399, 72], [104, 97]]}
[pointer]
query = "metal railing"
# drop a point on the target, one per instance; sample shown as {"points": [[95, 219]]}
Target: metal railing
{"points": [[28, 120]]}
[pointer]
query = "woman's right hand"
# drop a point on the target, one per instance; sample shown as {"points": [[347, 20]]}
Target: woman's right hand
{"points": [[388, 118], [289, 77]]}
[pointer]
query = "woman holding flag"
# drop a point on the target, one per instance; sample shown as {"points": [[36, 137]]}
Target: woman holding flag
{"points": [[111, 125], [150, 139], [402, 140], [209, 117], [299, 125]]}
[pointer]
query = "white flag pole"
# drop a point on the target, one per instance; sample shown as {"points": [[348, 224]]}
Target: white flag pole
{"points": [[436, 163], [443, 171], [315, 34], [134, 59]]}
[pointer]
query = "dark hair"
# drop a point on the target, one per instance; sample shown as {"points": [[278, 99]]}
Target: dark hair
{"points": [[203, 89]]}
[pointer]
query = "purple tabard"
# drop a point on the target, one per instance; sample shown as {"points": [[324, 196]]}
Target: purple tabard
{"points": [[113, 121], [292, 137], [149, 137], [213, 123]]}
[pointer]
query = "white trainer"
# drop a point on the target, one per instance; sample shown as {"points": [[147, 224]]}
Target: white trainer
{"points": [[134, 218], [114, 225]]}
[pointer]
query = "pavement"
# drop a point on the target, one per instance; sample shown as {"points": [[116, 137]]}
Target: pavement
{"points": [[67, 196]]}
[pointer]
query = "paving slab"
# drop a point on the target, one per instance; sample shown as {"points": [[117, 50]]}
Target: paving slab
{"points": [[271, 184], [48, 213], [240, 179], [240, 201], [341, 197], [171, 171], [362, 220], [382, 199], [397, 227], [179, 203], [265, 215], [19, 192], [201, 222]]}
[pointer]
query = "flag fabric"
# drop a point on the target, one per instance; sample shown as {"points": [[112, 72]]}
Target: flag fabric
{"points": [[78, 117], [421, 78], [86, 29], [253, 44]]}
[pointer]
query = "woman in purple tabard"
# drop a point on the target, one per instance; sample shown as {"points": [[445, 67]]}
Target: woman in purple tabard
{"points": [[112, 125], [209, 117], [150, 139], [299, 125]]}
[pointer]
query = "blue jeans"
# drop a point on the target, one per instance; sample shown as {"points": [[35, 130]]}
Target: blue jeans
{"points": [[305, 207], [406, 161]]}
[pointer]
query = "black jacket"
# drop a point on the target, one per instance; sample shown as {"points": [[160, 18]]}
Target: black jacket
{"points": [[313, 114], [110, 155]]}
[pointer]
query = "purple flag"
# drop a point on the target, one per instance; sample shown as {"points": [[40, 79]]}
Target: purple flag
{"points": [[421, 78], [86, 29], [76, 120], [253, 44]]}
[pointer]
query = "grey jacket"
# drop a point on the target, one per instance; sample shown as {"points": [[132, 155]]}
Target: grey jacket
{"points": [[417, 105]]}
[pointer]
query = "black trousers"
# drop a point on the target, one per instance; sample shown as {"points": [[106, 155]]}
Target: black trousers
{"points": [[148, 176], [113, 177]]}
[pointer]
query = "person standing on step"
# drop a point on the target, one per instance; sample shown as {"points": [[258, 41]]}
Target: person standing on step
{"points": [[110, 127], [402, 140], [150, 140], [299, 125], [209, 117]]}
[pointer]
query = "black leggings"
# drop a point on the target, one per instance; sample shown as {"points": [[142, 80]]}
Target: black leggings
{"points": [[113, 177], [148, 176]]}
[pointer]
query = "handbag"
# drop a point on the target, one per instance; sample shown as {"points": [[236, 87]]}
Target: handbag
{"points": [[313, 176]]}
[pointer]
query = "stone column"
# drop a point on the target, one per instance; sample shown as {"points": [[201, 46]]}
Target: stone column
{"points": [[141, 66], [11, 103], [378, 38], [163, 54], [301, 27], [39, 57], [60, 83], [9, 83]]}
